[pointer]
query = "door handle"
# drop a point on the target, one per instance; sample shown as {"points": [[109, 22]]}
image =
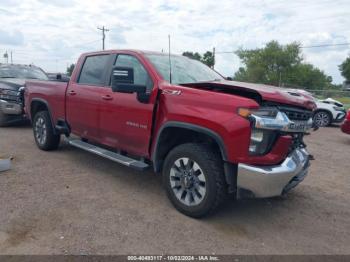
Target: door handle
{"points": [[107, 97], [72, 93]]}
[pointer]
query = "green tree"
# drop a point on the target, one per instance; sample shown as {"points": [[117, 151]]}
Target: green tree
{"points": [[192, 55], [70, 69], [280, 65], [308, 76], [345, 69], [208, 59]]}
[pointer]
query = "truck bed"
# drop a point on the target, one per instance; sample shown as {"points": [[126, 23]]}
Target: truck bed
{"points": [[50, 92]]}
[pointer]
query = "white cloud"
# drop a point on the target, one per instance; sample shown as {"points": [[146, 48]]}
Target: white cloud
{"points": [[56, 32], [11, 38]]}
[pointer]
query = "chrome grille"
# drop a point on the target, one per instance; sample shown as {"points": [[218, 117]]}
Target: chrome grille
{"points": [[296, 113]]}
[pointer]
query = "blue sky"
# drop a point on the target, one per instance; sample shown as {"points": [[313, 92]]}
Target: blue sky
{"points": [[52, 33]]}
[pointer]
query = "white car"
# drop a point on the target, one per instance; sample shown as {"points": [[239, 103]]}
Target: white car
{"points": [[328, 111]]}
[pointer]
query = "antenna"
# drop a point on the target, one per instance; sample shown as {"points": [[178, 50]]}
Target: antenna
{"points": [[169, 60]]}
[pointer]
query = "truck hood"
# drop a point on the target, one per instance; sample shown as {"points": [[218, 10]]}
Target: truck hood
{"points": [[264, 93], [11, 83]]}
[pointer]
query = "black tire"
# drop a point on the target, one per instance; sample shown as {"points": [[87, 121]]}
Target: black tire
{"points": [[46, 140], [322, 118], [210, 164], [3, 120]]}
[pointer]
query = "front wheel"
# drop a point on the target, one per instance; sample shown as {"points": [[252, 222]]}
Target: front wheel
{"points": [[193, 176], [322, 118], [44, 134]]}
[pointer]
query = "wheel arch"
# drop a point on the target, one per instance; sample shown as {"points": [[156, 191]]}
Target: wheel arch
{"points": [[174, 133], [37, 105]]}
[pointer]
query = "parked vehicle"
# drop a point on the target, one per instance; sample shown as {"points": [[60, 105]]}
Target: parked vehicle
{"points": [[12, 78], [58, 77], [329, 111], [345, 127], [206, 135]]}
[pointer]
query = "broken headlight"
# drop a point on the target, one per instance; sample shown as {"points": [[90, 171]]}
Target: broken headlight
{"points": [[7, 94], [261, 141]]}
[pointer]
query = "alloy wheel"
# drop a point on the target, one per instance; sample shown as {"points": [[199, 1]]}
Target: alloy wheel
{"points": [[322, 119], [187, 181], [40, 130]]}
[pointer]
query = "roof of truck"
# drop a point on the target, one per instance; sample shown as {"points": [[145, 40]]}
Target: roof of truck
{"points": [[16, 65], [142, 52]]}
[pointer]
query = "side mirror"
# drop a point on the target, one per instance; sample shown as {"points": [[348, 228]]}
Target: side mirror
{"points": [[229, 78], [58, 77], [123, 81]]}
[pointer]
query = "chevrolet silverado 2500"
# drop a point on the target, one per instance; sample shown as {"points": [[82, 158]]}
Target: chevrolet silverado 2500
{"points": [[207, 136]]}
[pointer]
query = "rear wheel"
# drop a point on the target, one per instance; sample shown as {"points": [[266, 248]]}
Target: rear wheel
{"points": [[322, 118], [44, 135], [193, 176]]}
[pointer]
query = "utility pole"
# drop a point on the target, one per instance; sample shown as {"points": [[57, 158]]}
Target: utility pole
{"points": [[11, 58], [103, 29]]}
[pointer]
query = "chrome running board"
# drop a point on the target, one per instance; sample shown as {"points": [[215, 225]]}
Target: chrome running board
{"points": [[124, 160]]}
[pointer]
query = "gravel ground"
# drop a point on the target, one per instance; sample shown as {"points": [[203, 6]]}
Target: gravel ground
{"points": [[72, 202]]}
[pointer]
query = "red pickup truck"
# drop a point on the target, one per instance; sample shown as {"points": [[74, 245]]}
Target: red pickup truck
{"points": [[207, 136]]}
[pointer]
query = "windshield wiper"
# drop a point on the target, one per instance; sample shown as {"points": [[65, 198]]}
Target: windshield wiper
{"points": [[8, 77]]}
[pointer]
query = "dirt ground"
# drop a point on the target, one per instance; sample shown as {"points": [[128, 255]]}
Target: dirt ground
{"points": [[72, 202]]}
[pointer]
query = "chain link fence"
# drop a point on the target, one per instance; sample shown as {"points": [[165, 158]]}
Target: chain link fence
{"points": [[340, 95]]}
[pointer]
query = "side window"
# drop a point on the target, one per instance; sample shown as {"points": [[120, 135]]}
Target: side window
{"points": [[141, 77], [93, 70]]}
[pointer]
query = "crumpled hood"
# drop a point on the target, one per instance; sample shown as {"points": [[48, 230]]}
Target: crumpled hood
{"points": [[267, 92], [11, 83]]}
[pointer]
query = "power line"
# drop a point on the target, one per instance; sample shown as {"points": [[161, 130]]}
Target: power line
{"points": [[103, 29], [325, 45], [311, 46], [225, 52]]}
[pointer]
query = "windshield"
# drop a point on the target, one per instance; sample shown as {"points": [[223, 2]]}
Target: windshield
{"points": [[183, 69], [22, 72]]}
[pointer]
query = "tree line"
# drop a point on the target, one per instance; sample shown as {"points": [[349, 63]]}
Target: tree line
{"points": [[279, 65]]}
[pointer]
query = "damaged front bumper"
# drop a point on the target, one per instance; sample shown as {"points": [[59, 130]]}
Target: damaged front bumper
{"points": [[10, 108], [269, 181]]}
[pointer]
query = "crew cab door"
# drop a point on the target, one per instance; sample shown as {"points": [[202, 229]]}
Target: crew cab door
{"points": [[126, 122], [83, 97]]}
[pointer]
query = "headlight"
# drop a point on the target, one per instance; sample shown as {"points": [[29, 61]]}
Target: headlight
{"points": [[261, 112], [261, 141], [7, 94], [257, 136], [337, 108]]}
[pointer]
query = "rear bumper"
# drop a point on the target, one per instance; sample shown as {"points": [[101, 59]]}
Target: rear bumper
{"points": [[269, 181], [10, 108]]}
